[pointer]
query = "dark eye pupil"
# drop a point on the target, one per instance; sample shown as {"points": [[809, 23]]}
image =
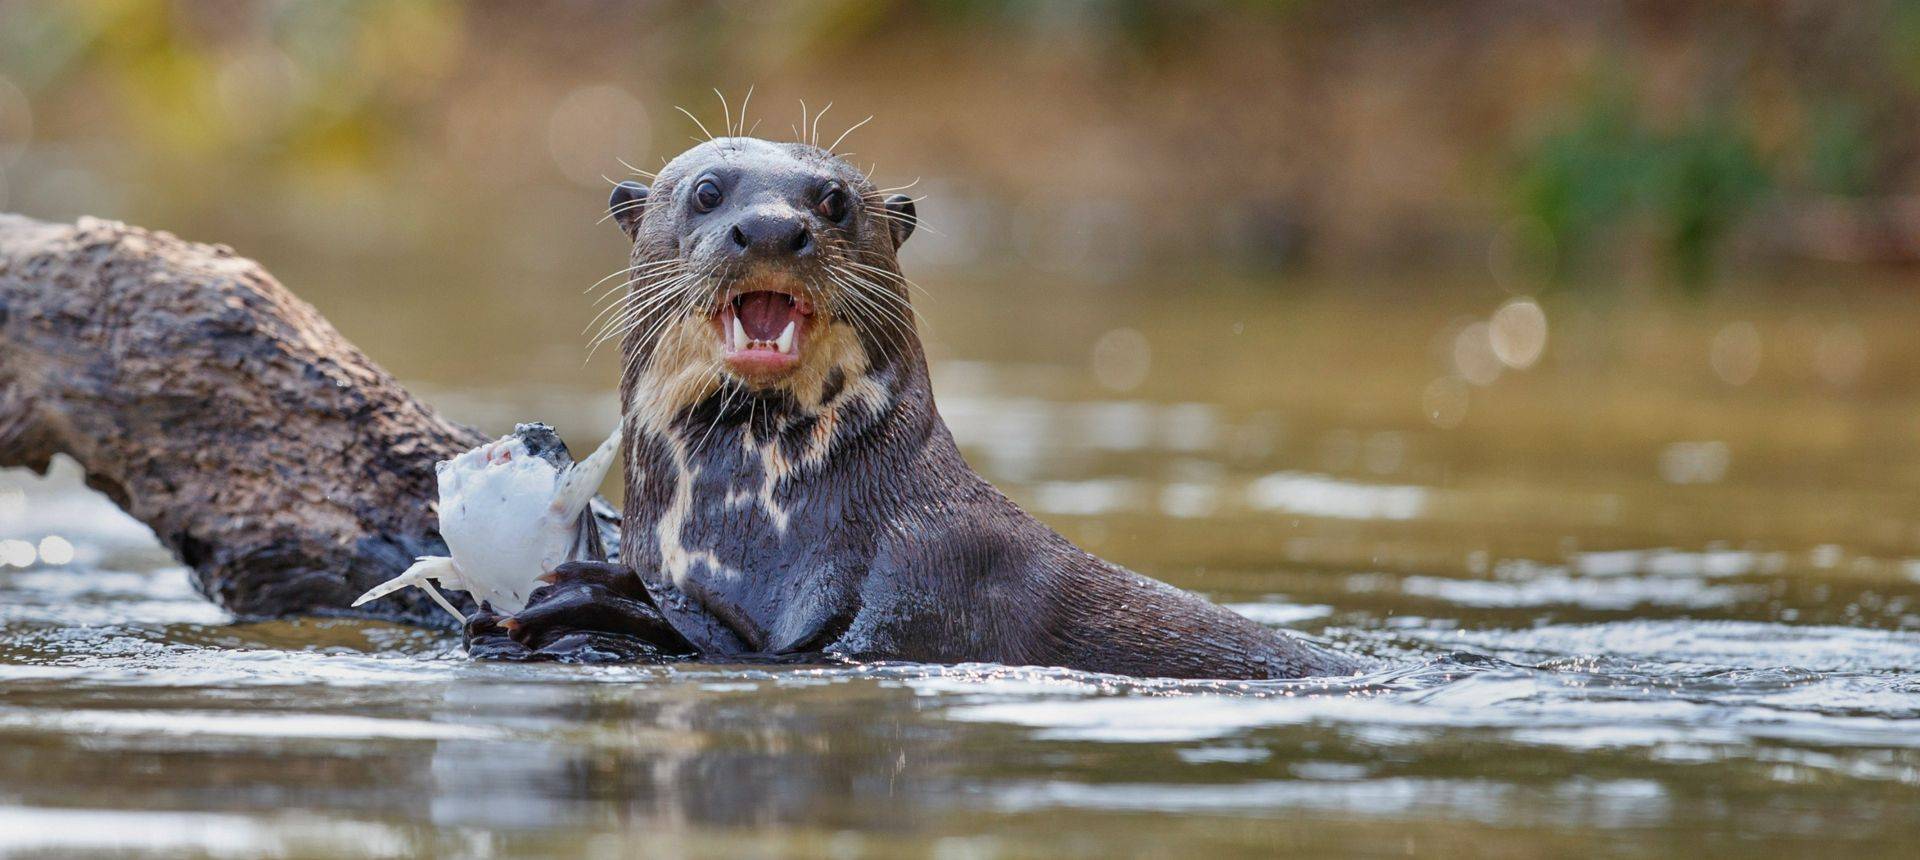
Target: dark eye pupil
{"points": [[707, 194], [834, 205]]}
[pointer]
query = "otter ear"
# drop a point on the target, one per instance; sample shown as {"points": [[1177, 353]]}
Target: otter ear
{"points": [[629, 197], [900, 206]]}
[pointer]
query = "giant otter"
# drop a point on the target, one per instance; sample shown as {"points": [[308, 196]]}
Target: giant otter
{"points": [[791, 490]]}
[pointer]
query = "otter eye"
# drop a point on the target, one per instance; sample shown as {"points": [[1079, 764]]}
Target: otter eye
{"points": [[706, 195], [832, 205]]}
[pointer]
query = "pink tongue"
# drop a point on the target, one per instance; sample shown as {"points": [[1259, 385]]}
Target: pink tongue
{"points": [[763, 314]]}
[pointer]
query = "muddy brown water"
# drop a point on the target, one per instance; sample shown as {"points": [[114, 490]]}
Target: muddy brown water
{"points": [[1650, 587]]}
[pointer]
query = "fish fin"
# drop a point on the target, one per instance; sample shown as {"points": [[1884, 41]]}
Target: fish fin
{"points": [[582, 480], [427, 586], [424, 568]]}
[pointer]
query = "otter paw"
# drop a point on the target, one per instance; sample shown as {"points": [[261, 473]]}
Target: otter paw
{"points": [[592, 646], [485, 639], [593, 612], [614, 577]]}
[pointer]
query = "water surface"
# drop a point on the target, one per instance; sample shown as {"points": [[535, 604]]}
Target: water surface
{"points": [[1645, 592]]}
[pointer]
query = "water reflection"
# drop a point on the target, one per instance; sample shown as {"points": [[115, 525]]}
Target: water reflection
{"points": [[1596, 623], [362, 731]]}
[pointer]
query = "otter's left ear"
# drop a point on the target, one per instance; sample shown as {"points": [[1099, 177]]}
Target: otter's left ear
{"points": [[629, 197], [900, 206]]}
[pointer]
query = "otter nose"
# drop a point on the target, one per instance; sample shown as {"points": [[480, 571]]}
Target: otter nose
{"points": [[771, 235]]}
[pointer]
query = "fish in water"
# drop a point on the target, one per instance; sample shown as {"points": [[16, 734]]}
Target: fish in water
{"points": [[509, 514]]}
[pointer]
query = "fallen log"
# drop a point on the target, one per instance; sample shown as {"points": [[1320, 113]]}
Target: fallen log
{"points": [[281, 465]]}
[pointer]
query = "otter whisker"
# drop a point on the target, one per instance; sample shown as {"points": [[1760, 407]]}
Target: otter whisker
{"points": [[861, 306], [639, 272], [645, 297], [742, 131], [696, 121], [666, 316], [849, 302], [644, 174], [813, 136], [879, 289], [720, 411], [616, 273], [726, 113], [634, 305], [915, 223], [620, 304], [633, 290], [627, 291], [843, 136], [641, 267], [875, 306], [643, 300], [889, 274], [904, 301], [615, 211], [878, 209], [617, 329]]}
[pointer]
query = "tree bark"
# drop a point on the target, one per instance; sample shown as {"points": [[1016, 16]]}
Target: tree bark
{"points": [[278, 462]]}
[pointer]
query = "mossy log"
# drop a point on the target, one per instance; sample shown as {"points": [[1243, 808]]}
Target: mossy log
{"points": [[278, 462]]}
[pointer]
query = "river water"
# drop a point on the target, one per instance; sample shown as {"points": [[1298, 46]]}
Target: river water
{"points": [[1650, 584]]}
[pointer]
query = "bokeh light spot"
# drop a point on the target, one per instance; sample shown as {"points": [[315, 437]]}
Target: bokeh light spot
{"points": [[16, 553], [1695, 462], [55, 549], [1473, 356], [1518, 333]]}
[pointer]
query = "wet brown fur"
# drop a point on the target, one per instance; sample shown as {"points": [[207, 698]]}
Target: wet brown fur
{"points": [[830, 511]]}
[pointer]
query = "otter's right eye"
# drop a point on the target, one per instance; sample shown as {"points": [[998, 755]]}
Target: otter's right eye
{"points": [[706, 195]]}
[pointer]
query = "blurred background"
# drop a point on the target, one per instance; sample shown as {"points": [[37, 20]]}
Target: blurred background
{"points": [[1636, 247], [1541, 330]]}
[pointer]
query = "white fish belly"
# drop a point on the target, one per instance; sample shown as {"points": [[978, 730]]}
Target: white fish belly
{"points": [[494, 515]]}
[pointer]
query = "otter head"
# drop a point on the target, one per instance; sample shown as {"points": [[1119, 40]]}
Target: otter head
{"points": [[763, 264]]}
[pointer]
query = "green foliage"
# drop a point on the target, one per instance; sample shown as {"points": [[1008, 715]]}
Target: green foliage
{"points": [[1705, 178], [1609, 168], [1841, 154]]}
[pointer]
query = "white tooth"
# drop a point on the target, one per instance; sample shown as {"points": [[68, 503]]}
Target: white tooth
{"points": [[786, 338], [738, 341]]}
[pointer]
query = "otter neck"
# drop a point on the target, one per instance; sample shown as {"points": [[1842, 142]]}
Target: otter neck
{"points": [[742, 491], [805, 428]]}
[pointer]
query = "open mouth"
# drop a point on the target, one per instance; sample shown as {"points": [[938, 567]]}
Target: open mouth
{"points": [[762, 331]]}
